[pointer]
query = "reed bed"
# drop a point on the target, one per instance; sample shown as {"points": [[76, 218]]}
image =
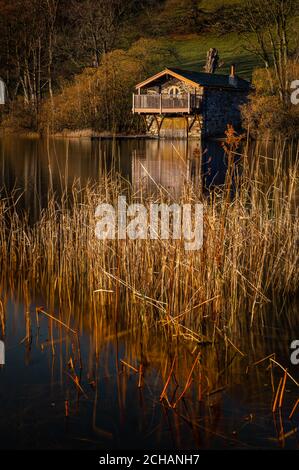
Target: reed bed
{"points": [[248, 261], [164, 309]]}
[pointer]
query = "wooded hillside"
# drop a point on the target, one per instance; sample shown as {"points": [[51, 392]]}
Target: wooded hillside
{"points": [[46, 45]]}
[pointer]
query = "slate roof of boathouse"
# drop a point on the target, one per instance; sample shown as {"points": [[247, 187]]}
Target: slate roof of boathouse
{"points": [[211, 80]]}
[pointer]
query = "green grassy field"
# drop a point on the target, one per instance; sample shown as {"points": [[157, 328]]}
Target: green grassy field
{"points": [[192, 52], [192, 49]]}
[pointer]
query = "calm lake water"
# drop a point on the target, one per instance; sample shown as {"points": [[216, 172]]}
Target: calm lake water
{"points": [[33, 166], [41, 407]]}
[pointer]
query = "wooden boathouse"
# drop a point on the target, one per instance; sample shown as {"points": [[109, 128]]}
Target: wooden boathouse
{"points": [[182, 103]]}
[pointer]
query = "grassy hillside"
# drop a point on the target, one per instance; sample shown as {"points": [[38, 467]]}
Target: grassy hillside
{"points": [[173, 23], [192, 53], [192, 48]]}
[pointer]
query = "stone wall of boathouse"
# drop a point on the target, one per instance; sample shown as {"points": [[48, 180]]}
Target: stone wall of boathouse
{"points": [[220, 108]]}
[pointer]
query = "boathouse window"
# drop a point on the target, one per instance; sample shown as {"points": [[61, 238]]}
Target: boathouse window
{"points": [[174, 91]]}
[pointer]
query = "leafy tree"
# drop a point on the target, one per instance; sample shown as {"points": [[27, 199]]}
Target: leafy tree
{"points": [[101, 97]]}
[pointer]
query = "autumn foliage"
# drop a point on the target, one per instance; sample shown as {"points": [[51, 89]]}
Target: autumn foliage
{"points": [[100, 98], [265, 113]]}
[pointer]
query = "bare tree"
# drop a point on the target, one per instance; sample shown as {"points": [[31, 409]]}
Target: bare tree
{"points": [[99, 23], [268, 23], [51, 7]]}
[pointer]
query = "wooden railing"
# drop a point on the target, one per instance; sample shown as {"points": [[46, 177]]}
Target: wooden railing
{"points": [[166, 103]]}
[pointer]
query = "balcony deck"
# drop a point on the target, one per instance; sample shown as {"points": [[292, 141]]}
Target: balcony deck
{"points": [[166, 104]]}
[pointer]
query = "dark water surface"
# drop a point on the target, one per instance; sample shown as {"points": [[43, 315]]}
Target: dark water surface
{"points": [[35, 165], [41, 407]]}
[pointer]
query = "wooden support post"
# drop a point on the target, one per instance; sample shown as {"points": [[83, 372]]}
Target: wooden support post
{"points": [[187, 125], [133, 107], [159, 123], [148, 124], [189, 103], [192, 122], [160, 103]]}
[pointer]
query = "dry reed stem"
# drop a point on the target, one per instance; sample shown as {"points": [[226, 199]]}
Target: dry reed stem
{"points": [[189, 380], [294, 409], [274, 407], [229, 341], [285, 370], [140, 376], [264, 359], [76, 382], [163, 393], [283, 389], [186, 388], [129, 366], [39, 310], [284, 436], [66, 408]]}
